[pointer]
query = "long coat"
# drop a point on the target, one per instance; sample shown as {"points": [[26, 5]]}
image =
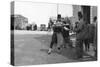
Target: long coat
{"points": [[82, 30], [85, 31]]}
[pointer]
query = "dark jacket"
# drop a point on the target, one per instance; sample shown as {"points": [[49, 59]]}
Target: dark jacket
{"points": [[92, 33]]}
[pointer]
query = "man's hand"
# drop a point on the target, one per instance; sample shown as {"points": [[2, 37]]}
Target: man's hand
{"points": [[66, 28]]}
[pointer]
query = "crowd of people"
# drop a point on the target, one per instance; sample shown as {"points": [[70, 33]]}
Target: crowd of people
{"points": [[86, 33]]}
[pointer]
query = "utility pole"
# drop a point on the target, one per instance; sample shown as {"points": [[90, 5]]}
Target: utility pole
{"points": [[57, 8]]}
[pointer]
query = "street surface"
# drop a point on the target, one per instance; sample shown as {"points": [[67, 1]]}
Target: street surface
{"points": [[31, 48]]}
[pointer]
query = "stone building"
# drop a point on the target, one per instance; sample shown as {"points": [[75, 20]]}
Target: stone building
{"points": [[19, 22], [89, 12], [93, 12]]}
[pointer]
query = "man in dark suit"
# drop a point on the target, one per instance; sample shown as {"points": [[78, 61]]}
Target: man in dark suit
{"points": [[65, 33], [57, 28]]}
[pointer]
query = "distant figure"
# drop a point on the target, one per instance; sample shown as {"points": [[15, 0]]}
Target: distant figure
{"points": [[76, 26], [28, 27], [35, 27], [50, 24]]}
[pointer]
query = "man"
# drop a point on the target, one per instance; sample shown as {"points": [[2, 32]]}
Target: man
{"points": [[65, 33], [50, 24], [95, 36], [81, 36], [76, 26], [57, 28], [35, 27]]}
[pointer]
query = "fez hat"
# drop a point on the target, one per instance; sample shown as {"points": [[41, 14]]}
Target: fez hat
{"points": [[80, 14], [59, 16]]}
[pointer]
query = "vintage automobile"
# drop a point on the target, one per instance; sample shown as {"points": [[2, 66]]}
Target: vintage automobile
{"points": [[43, 27]]}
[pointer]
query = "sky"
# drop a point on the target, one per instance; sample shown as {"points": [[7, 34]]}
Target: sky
{"points": [[40, 13]]}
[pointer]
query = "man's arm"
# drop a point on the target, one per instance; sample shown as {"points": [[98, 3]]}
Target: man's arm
{"points": [[66, 28], [79, 27]]}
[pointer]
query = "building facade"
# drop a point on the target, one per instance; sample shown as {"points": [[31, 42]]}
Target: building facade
{"points": [[19, 22], [89, 12]]}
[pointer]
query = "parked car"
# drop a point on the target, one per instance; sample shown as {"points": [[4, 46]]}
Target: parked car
{"points": [[42, 27]]}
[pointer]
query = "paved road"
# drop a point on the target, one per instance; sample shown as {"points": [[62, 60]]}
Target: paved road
{"points": [[32, 49]]}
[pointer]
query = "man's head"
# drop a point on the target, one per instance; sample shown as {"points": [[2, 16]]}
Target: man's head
{"points": [[80, 16], [76, 22], [59, 17], [95, 19]]}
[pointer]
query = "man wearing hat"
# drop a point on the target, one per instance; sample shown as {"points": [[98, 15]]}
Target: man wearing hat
{"points": [[56, 37]]}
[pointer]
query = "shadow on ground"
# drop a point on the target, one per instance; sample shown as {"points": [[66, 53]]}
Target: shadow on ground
{"points": [[67, 52]]}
